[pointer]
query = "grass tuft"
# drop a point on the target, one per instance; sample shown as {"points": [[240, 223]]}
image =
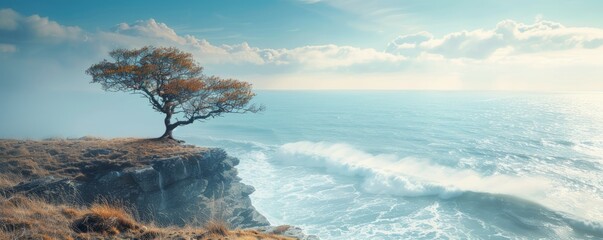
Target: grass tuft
{"points": [[216, 228], [105, 219], [24, 217]]}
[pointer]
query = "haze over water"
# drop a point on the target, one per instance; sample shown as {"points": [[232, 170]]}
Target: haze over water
{"points": [[421, 164]]}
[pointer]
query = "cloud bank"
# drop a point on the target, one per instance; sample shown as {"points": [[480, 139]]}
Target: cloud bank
{"points": [[508, 37], [16, 29], [307, 57], [544, 55]]}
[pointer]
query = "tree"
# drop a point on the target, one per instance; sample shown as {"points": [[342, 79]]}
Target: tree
{"points": [[174, 85]]}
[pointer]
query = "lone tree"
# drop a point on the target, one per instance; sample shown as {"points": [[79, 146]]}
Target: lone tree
{"points": [[174, 85]]}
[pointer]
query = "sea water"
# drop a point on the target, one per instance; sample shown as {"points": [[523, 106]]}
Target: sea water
{"points": [[421, 164]]}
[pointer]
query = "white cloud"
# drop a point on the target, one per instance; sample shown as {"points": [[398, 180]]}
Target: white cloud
{"points": [[509, 37], [42, 27], [7, 48], [542, 56], [328, 56], [8, 19], [33, 33], [239, 53], [313, 57], [408, 44], [150, 29], [15, 28]]}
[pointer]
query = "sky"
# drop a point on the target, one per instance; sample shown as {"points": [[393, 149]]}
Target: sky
{"points": [[46, 46], [313, 44]]}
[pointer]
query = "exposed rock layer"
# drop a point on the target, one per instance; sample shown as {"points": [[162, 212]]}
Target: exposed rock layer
{"points": [[181, 189]]}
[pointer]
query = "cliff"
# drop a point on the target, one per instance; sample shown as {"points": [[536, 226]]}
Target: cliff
{"points": [[163, 182]]}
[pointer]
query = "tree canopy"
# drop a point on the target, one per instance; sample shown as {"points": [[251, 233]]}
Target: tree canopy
{"points": [[174, 84]]}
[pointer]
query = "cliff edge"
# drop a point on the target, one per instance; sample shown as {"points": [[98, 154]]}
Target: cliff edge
{"points": [[163, 182]]}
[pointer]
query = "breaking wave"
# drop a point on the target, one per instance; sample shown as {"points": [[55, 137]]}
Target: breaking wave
{"points": [[414, 177]]}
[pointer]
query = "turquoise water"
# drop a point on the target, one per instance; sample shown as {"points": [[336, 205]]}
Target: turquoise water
{"points": [[421, 165]]}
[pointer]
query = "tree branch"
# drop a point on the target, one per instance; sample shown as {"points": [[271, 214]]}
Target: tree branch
{"points": [[152, 99], [194, 118]]}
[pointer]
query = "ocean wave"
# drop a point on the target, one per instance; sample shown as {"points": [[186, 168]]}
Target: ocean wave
{"points": [[414, 177], [408, 176]]}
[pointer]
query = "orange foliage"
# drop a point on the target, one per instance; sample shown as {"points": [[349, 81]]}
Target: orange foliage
{"points": [[182, 86]]}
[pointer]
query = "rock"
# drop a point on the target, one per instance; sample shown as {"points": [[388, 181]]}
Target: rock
{"points": [[97, 152], [178, 190], [287, 231], [50, 188], [146, 178]]}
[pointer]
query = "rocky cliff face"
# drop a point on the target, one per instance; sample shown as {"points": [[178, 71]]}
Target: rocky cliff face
{"points": [[177, 190]]}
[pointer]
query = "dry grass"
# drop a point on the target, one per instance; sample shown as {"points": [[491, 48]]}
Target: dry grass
{"points": [[6, 181], [217, 228], [22, 217], [28, 218], [105, 219], [75, 158], [255, 235]]}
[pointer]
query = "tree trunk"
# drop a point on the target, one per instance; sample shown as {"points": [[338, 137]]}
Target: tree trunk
{"points": [[167, 134], [168, 127]]}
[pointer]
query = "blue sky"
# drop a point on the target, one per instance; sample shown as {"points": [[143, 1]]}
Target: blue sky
{"points": [[288, 24], [331, 44]]}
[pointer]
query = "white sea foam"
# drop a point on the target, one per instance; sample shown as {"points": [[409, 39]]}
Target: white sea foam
{"points": [[389, 174], [407, 176]]}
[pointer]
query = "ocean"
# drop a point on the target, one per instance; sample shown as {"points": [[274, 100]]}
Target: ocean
{"points": [[421, 164]]}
